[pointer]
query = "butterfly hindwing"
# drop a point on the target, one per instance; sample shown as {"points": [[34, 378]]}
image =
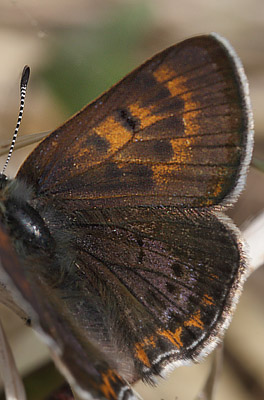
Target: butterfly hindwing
{"points": [[149, 287], [173, 132], [106, 326]]}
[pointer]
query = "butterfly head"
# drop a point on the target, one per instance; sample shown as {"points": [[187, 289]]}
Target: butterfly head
{"points": [[23, 223]]}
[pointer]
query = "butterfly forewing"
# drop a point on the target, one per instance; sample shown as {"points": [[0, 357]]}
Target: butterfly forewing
{"points": [[173, 132]]}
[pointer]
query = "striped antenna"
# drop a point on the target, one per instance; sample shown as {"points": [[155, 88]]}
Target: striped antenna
{"points": [[23, 88]]}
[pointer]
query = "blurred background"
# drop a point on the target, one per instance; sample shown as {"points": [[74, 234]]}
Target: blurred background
{"points": [[76, 50]]}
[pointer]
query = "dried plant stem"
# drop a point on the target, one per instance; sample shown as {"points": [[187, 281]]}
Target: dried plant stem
{"points": [[207, 393], [23, 141], [253, 233], [14, 389]]}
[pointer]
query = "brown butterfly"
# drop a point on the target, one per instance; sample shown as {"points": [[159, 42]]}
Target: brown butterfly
{"points": [[112, 233]]}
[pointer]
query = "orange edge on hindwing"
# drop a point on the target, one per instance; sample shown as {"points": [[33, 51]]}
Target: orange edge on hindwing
{"points": [[106, 387], [151, 342], [195, 320], [207, 300], [174, 337]]}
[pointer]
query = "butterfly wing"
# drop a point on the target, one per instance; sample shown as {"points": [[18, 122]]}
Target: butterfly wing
{"points": [[176, 131], [152, 287], [81, 363]]}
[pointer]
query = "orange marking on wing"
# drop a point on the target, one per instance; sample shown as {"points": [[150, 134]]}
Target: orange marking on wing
{"points": [[114, 132], [195, 320], [182, 150], [191, 126], [216, 190], [144, 114], [208, 300], [214, 277], [163, 73], [106, 386], [141, 354], [149, 341], [179, 86], [162, 173], [173, 337]]}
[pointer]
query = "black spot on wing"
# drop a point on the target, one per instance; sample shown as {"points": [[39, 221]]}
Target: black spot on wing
{"points": [[177, 270], [171, 288], [130, 122], [100, 144]]}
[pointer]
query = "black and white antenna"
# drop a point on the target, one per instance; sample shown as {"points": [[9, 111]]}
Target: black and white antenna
{"points": [[23, 89]]}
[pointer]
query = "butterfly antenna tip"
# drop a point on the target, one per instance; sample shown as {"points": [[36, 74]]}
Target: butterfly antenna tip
{"points": [[23, 89]]}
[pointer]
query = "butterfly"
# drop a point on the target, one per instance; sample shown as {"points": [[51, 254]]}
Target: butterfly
{"points": [[113, 237]]}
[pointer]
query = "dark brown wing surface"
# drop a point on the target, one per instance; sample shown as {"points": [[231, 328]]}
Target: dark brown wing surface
{"points": [[148, 287], [173, 132]]}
